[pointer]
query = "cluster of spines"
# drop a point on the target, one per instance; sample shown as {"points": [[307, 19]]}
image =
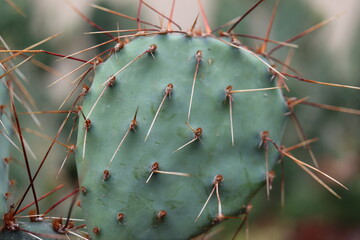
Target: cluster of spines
{"points": [[36, 224]]}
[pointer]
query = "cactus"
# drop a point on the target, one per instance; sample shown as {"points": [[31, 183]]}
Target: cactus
{"points": [[4, 143], [189, 77], [177, 133], [44, 230]]}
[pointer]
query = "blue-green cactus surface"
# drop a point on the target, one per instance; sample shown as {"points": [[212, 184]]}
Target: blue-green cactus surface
{"points": [[117, 201], [5, 129]]}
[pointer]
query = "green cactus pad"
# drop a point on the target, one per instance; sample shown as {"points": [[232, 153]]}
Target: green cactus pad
{"points": [[43, 230], [4, 143], [142, 84]]}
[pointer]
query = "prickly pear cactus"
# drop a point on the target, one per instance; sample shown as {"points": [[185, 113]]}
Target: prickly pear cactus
{"points": [[149, 179], [5, 127]]}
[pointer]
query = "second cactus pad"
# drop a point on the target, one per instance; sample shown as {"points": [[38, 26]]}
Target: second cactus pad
{"points": [[164, 126], [5, 131]]}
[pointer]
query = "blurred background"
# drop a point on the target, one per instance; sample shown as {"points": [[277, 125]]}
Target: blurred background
{"points": [[330, 54]]}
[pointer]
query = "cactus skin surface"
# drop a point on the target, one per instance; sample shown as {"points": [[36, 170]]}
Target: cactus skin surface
{"points": [[142, 85], [43, 230], [4, 144]]}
